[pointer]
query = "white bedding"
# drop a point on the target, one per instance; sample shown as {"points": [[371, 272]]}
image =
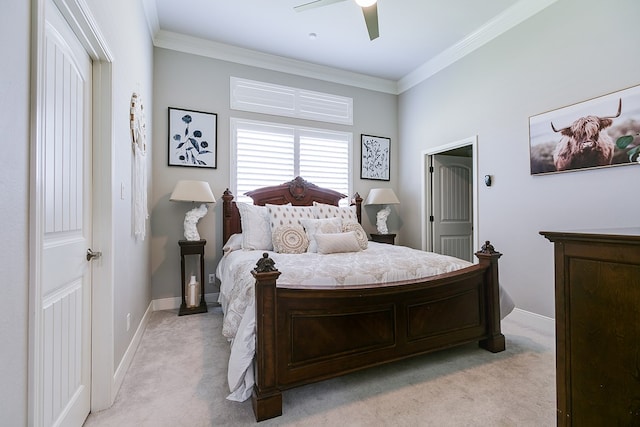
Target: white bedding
{"points": [[379, 263]]}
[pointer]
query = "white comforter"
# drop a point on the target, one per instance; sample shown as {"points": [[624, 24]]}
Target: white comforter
{"points": [[332, 270]]}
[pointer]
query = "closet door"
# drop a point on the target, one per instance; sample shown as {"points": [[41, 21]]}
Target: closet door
{"points": [[453, 206], [63, 329]]}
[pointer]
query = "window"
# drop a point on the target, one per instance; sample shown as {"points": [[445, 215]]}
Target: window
{"points": [[266, 154]]}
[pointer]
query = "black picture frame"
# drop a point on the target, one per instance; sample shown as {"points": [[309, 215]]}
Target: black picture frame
{"points": [[375, 157], [193, 138]]}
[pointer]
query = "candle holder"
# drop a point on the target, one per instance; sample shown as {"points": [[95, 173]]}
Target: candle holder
{"points": [[192, 252]]}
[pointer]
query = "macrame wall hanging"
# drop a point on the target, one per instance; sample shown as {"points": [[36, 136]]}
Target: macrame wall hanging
{"points": [[139, 143]]}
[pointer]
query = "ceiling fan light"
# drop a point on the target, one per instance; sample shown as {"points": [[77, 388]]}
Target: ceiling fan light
{"points": [[366, 3]]}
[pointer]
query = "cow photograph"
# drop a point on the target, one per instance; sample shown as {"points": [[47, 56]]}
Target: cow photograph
{"points": [[601, 132]]}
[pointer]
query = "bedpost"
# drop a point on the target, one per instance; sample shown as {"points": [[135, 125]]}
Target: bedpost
{"points": [[489, 257], [227, 197], [266, 397], [357, 201]]}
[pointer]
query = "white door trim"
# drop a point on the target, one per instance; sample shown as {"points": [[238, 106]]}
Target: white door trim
{"points": [[426, 202], [103, 392], [81, 21]]}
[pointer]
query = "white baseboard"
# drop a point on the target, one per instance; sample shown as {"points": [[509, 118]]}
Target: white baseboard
{"points": [[534, 320], [118, 377], [174, 303]]}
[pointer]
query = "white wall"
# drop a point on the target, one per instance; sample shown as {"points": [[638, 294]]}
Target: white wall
{"points": [[570, 52], [202, 84], [14, 210]]}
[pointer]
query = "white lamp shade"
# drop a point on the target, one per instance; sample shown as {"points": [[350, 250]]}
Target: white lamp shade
{"points": [[192, 191], [382, 196], [365, 3]]}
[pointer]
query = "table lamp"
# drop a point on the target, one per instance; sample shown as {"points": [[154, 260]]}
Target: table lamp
{"points": [[386, 197], [193, 191]]}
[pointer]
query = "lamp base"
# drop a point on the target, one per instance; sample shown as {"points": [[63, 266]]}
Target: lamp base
{"points": [[191, 221], [381, 223]]}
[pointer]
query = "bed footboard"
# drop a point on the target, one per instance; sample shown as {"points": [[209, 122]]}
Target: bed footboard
{"points": [[308, 335]]}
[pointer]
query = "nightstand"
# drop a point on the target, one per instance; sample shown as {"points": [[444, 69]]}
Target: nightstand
{"points": [[194, 250], [384, 238]]}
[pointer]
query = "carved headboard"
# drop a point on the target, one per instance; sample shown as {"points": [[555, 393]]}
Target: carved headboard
{"points": [[298, 192]]}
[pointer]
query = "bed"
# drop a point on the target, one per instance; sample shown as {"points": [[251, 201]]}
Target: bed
{"points": [[295, 328]]}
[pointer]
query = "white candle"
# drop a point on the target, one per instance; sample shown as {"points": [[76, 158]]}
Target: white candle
{"points": [[192, 291]]}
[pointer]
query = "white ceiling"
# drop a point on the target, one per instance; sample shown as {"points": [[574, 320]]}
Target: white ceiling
{"points": [[415, 35]]}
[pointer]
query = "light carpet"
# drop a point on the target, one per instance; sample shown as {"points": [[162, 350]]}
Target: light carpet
{"points": [[178, 378]]}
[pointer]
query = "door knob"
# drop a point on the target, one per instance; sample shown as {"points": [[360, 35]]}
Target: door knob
{"points": [[91, 254]]}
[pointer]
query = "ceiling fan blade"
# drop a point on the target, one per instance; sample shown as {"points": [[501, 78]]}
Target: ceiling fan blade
{"points": [[314, 4], [371, 18]]}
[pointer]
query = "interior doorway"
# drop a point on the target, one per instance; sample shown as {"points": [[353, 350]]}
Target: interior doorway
{"points": [[450, 199]]}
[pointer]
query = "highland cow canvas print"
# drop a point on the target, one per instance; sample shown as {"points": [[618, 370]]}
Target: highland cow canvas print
{"points": [[601, 132], [192, 138]]}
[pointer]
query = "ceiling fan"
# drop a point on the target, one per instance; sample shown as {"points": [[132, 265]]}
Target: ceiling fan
{"points": [[369, 9]]}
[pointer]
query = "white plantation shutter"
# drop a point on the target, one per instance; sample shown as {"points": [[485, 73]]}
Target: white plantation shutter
{"points": [[264, 155], [269, 154], [286, 101], [324, 158]]}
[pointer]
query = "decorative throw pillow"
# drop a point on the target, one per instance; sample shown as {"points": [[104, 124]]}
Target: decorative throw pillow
{"points": [[337, 243], [324, 225], [256, 230], [280, 215], [361, 235], [345, 213], [290, 239]]}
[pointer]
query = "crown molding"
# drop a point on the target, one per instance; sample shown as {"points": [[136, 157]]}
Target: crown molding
{"points": [[511, 17], [503, 22], [225, 52]]}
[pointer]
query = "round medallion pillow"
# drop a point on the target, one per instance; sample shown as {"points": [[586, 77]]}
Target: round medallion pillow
{"points": [[290, 239]]}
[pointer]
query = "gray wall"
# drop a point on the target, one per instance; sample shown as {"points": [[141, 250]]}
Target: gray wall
{"points": [[570, 52], [132, 72], [202, 84], [14, 181]]}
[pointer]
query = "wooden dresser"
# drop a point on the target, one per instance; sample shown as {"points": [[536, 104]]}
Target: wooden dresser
{"points": [[597, 290]]}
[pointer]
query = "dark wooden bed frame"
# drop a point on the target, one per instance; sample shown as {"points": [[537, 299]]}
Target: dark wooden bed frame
{"points": [[307, 335]]}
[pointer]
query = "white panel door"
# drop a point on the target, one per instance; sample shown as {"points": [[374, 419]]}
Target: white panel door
{"points": [[453, 206], [65, 318]]}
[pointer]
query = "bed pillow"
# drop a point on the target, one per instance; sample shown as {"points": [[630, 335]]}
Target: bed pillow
{"points": [[233, 244], [361, 235], [345, 213], [256, 229], [334, 243], [290, 239], [324, 225], [281, 215]]}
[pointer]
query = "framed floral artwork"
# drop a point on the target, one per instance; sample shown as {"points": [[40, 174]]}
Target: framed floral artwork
{"points": [[376, 151], [192, 138]]}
